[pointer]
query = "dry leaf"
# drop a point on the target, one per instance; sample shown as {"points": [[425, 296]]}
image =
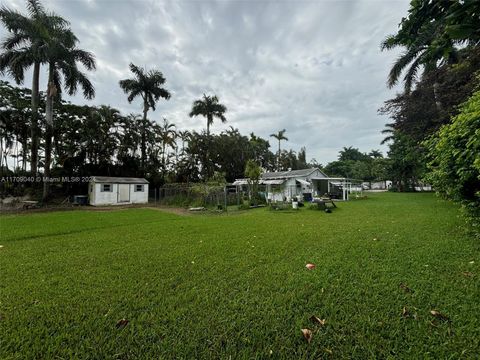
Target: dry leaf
{"points": [[121, 323], [406, 288], [310, 266], [317, 320], [467, 274], [307, 334], [438, 315], [405, 312]]}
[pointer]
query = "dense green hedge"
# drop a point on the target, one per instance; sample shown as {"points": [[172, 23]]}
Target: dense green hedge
{"points": [[454, 165]]}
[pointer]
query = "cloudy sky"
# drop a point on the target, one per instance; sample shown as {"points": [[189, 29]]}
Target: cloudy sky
{"points": [[312, 67]]}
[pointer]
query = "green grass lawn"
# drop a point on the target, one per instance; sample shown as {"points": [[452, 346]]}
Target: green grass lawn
{"points": [[221, 286]]}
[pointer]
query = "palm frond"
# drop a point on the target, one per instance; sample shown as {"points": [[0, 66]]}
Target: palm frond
{"points": [[86, 58], [14, 40], [411, 75], [35, 8], [389, 43], [135, 92], [401, 63]]}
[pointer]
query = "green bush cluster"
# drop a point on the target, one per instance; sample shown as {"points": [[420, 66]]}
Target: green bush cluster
{"points": [[454, 160]]}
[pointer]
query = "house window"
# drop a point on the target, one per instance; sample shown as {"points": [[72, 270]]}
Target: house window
{"points": [[138, 188], [107, 188]]}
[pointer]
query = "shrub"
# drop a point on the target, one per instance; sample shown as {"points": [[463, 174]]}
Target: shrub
{"points": [[454, 160]]}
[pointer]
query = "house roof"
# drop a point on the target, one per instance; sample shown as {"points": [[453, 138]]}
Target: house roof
{"points": [[290, 174], [119, 180], [273, 182], [239, 182]]}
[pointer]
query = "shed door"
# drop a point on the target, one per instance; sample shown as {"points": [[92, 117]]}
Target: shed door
{"points": [[123, 193]]}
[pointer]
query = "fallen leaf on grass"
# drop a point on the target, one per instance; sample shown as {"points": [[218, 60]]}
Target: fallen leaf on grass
{"points": [[307, 334], [467, 274], [472, 262], [406, 313], [310, 266], [121, 323], [1, 246], [406, 288], [438, 315], [317, 320]]}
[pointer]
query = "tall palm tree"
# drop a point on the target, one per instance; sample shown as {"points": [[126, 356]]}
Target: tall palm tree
{"points": [[22, 49], [279, 136], [148, 85], [210, 108], [62, 55]]}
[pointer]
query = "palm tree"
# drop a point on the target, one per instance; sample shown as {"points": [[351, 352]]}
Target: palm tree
{"points": [[22, 49], [390, 131], [210, 108], [107, 119], [184, 137], [62, 55], [167, 135], [375, 154], [279, 136], [422, 34], [148, 85]]}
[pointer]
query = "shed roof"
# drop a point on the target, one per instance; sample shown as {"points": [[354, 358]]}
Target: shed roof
{"points": [[290, 174], [119, 180]]}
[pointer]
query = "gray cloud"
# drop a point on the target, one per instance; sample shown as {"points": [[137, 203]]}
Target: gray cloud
{"points": [[312, 67]]}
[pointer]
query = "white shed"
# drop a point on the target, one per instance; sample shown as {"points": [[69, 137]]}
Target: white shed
{"points": [[106, 190]]}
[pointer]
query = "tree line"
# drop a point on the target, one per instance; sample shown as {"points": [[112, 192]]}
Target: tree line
{"points": [[434, 133], [41, 131]]}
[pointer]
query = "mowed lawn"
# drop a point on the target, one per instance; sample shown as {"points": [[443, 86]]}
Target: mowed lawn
{"points": [[235, 286]]}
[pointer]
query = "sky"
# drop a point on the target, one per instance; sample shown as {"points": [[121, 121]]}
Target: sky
{"points": [[313, 68]]}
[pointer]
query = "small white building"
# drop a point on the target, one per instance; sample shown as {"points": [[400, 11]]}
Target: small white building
{"points": [[304, 184], [284, 185], [106, 190]]}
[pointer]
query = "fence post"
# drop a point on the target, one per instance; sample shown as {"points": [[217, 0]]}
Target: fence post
{"points": [[225, 197]]}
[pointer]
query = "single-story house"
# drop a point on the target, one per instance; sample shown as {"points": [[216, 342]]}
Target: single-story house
{"points": [[106, 190], [304, 184]]}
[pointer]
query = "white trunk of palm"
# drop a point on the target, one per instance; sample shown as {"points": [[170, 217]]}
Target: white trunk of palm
{"points": [[34, 125], [51, 92]]}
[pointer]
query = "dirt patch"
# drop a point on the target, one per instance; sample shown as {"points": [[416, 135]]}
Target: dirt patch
{"points": [[172, 210], [51, 208]]}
